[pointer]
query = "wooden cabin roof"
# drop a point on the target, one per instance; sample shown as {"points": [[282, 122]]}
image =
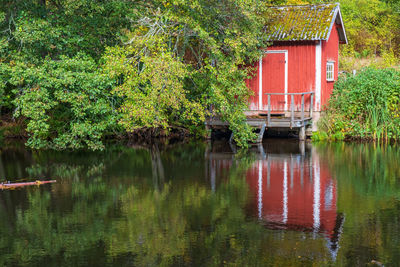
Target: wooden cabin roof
{"points": [[304, 22]]}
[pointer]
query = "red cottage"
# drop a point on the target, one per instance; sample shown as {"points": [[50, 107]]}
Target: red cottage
{"points": [[295, 78]]}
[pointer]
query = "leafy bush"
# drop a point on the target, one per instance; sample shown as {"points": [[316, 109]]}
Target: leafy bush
{"points": [[67, 103], [366, 105]]}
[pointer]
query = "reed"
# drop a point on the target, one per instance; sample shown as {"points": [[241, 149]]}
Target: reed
{"points": [[365, 106]]}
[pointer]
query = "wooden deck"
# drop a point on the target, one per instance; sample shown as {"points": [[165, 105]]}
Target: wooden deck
{"points": [[281, 122], [270, 120]]}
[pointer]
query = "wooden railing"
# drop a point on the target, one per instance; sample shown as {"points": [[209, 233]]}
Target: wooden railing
{"points": [[292, 105]]}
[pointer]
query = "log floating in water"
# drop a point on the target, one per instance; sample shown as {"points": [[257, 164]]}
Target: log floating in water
{"points": [[9, 185]]}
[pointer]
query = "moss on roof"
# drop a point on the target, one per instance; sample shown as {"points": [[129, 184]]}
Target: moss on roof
{"points": [[305, 22]]}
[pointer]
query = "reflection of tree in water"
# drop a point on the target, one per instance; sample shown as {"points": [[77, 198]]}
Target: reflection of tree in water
{"points": [[183, 223], [77, 213], [64, 221], [90, 217], [368, 179], [157, 167], [153, 206]]}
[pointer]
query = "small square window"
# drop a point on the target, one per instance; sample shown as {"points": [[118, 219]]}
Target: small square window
{"points": [[330, 66]]}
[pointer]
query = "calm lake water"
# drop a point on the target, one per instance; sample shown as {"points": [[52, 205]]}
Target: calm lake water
{"points": [[281, 204]]}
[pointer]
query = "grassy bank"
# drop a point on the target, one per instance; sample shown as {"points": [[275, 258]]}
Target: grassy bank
{"points": [[365, 107]]}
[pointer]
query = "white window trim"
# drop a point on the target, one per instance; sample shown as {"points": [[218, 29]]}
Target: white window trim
{"points": [[330, 63]]}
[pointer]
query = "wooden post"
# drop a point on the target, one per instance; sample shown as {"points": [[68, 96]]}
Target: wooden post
{"points": [[208, 131], [231, 138], [292, 111], [261, 134], [302, 133], [311, 104], [269, 110]]}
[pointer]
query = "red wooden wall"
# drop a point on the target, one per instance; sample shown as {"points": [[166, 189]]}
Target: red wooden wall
{"points": [[253, 84], [301, 73], [273, 80], [330, 52]]}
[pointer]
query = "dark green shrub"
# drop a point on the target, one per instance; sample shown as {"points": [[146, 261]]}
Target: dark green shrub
{"points": [[365, 106], [66, 103]]}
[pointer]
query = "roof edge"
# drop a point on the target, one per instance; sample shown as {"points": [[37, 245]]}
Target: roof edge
{"points": [[335, 7], [344, 30], [337, 13]]}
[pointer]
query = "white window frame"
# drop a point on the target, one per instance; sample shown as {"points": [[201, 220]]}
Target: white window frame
{"points": [[330, 73]]}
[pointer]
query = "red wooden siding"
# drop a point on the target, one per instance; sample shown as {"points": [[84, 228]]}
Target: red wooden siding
{"points": [[273, 80], [300, 74], [301, 69], [307, 47], [330, 52], [253, 83]]}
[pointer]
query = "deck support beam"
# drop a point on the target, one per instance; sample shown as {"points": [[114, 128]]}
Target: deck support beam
{"points": [[208, 131], [261, 133], [231, 138], [302, 133]]}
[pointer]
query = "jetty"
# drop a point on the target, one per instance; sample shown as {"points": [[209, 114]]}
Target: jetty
{"points": [[296, 119]]}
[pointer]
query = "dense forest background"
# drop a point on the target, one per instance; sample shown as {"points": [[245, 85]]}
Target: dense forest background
{"points": [[74, 72]]}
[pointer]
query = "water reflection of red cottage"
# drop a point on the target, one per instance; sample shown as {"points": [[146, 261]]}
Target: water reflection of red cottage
{"points": [[293, 191]]}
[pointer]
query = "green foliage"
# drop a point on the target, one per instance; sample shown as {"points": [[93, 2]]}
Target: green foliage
{"points": [[67, 103], [323, 136], [389, 58], [37, 28], [76, 68], [79, 70], [152, 88], [183, 57], [371, 26], [49, 69], [365, 105]]}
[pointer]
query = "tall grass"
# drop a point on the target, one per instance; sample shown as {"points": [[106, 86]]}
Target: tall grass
{"points": [[365, 106]]}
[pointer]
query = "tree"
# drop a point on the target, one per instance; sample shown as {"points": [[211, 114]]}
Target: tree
{"points": [[49, 69], [182, 57]]}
